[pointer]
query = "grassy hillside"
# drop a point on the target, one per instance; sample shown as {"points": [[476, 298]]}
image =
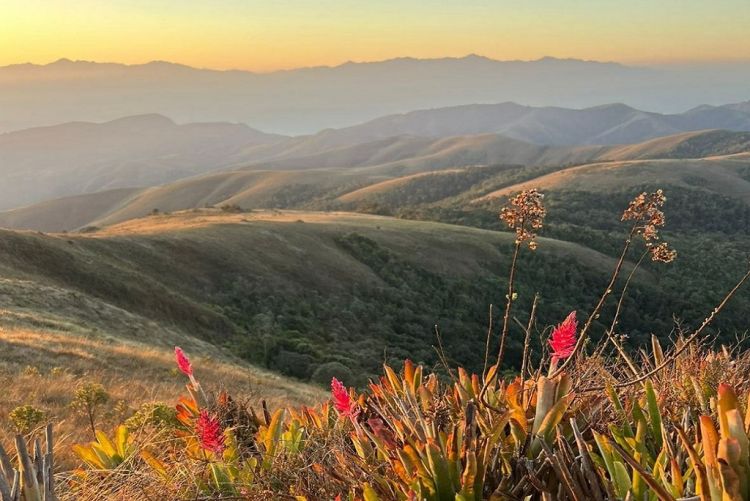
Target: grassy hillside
{"points": [[300, 293], [717, 175], [46, 359]]}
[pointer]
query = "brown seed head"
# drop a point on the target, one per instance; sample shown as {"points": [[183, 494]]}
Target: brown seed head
{"points": [[645, 211], [662, 253], [525, 214]]}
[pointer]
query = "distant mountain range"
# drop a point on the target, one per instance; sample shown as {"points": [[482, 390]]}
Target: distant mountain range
{"points": [[75, 158], [79, 157], [307, 100]]}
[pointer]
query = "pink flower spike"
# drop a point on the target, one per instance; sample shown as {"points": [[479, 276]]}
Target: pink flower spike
{"points": [[183, 363], [209, 432], [341, 399], [563, 338]]}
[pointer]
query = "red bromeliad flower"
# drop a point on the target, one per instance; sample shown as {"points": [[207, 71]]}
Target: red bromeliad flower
{"points": [[183, 363], [563, 338], [210, 433], [341, 399]]}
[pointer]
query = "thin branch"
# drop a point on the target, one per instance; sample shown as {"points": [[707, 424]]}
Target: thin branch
{"points": [[487, 343], [526, 343], [611, 331], [504, 333], [441, 354], [508, 305]]}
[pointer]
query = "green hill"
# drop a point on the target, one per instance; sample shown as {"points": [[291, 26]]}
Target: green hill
{"points": [[301, 293]]}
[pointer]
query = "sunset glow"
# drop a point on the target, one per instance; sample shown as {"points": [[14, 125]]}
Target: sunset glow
{"points": [[265, 36]]}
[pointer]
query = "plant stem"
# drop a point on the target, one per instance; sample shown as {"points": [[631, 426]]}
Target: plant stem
{"points": [[611, 331], [687, 342], [487, 343], [508, 305], [526, 343]]}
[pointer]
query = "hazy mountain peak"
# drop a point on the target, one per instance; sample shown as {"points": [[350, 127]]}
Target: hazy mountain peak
{"points": [[62, 61], [614, 107], [151, 119], [69, 64], [478, 57]]}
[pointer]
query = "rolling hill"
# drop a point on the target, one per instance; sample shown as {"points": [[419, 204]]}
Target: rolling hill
{"points": [[78, 157], [45, 163], [728, 176], [599, 125], [307, 293], [361, 177], [410, 154], [267, 284]]}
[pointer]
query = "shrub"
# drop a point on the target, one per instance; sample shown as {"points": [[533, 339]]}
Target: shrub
{"points": [[31, 371], [26, 417], [293, 363], [329, 370], [57, 372], [156, 414], [232, 209], [88, 398]]}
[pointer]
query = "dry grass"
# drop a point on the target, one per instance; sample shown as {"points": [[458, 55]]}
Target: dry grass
{"points": [[43, 368], [719, 174], [193, 219]]}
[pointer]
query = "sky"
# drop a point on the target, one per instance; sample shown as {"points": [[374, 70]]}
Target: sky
{"points": [[267, 35]]}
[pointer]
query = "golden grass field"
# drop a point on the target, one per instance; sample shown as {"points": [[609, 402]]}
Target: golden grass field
{"points": [[43, 368], [717, 174]]}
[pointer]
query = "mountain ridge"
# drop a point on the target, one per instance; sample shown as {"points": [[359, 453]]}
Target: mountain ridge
{"points": [[67, 62], [151, 149], [614, 123], [306, 100]]}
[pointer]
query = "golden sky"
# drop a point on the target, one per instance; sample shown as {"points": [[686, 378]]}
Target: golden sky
{"points": [[276, 34]]}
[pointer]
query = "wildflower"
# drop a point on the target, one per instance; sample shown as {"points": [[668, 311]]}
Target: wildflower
{"points": [[183, 363], [563, 338], [341, 399], [525, 214], [209, 432]]}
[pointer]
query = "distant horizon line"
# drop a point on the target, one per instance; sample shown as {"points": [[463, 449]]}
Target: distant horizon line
{"points": [[66, 60]]}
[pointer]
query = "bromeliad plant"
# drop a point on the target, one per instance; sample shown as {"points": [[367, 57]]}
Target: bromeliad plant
{"points": [[721, 460], [32, 477], [105, 454], [413, 436], [574, 427]]}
